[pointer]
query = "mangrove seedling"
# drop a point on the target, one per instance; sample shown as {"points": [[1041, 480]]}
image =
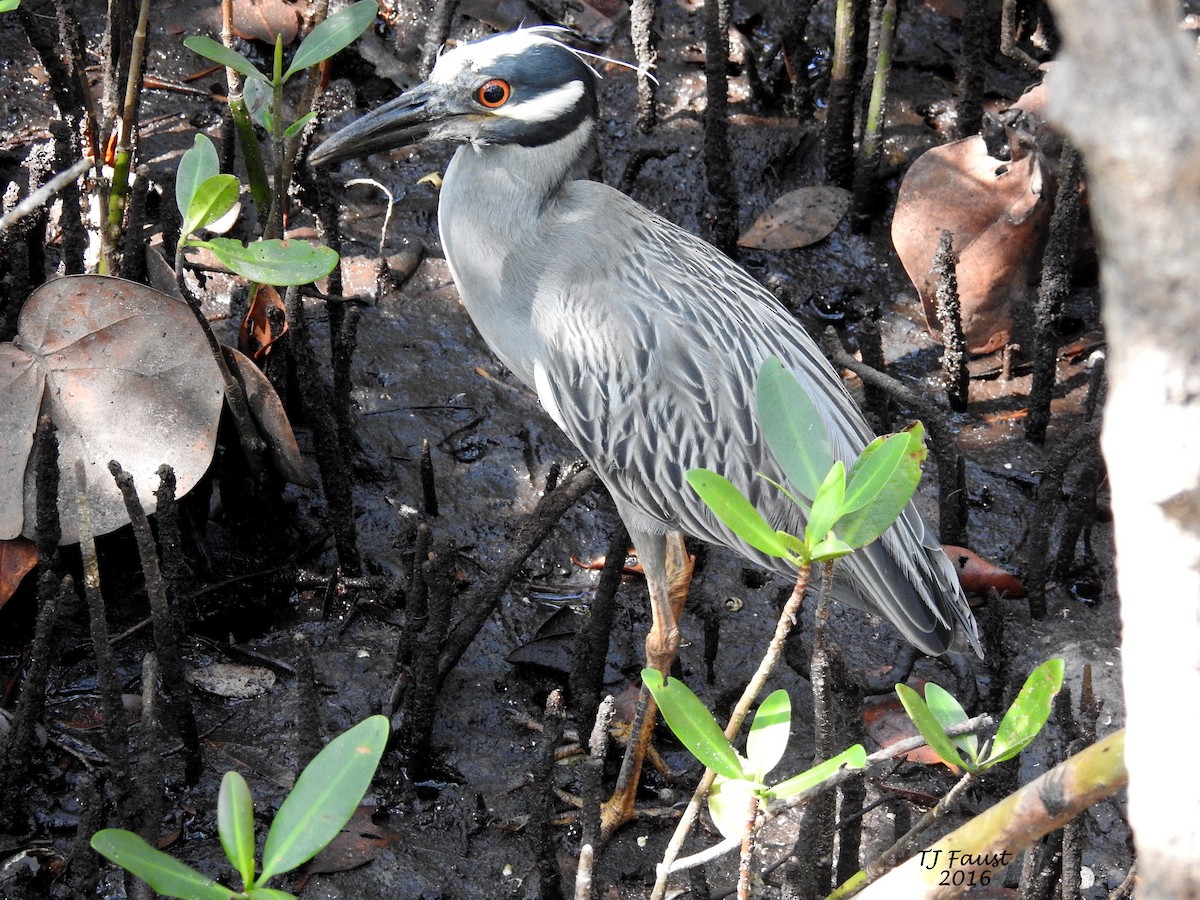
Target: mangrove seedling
{"points": [[325, 797]]}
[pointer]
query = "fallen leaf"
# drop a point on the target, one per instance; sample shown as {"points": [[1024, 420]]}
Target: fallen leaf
{"points": [[997, 212], [255, 336], [261, 20], [354, 845], [553, 645], [125, 373], [798, 218], [887, 723], [232, 680], [17, 559], [978, 576], [271, 419], [161, 273]]}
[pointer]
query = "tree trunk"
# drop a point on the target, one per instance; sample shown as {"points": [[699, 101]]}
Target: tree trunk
{"points": [[1126, 90]]}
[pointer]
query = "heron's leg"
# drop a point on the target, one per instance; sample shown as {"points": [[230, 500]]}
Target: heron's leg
{"points": [[668, 571]]}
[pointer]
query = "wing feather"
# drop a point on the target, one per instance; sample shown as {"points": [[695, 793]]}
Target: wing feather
{"points": [[653, 345]]}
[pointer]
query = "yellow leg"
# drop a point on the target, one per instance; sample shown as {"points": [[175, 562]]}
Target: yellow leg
{"points": [[668, 571]]}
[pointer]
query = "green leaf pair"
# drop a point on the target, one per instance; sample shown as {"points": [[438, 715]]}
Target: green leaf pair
{"points": [[204, 196], [938, 711], [739, 778], [325, 797], [336, 33], [261, 100], [844, 511]]}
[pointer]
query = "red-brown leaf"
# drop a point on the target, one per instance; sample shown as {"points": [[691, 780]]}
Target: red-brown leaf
{"points": [[261, 20], [255, 336], [17, 559], [887, 723], [978, 576], [271, 420], [997, 214]]}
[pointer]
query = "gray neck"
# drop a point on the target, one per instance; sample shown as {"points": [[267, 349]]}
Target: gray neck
{"points": [[498, 205]]}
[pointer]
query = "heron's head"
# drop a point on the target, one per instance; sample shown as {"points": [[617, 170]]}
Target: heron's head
{"points": [[521, 87]]}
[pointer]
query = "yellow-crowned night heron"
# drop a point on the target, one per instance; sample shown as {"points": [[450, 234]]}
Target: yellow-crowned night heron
{"points": [[642, 341]]}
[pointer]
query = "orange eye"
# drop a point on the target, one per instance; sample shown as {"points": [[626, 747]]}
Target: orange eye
{"points": [[494, 93]]}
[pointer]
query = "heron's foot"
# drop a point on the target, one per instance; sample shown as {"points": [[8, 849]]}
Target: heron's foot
{"points": [[617, 810]]}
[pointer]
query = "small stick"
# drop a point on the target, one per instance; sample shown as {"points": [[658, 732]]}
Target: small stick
{"points": [[42, 195], [787, 619]]}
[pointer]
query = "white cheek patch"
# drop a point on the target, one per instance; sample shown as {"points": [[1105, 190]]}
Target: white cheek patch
{"points": [[545, 107]]}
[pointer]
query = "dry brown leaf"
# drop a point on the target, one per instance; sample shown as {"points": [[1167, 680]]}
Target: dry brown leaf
{"points": [[997, 213], [887, 723], [978, 576], [354, 845], [126, 374], [261, 20], [798, 218], [271, 419], [17, 559], [254, 335]]}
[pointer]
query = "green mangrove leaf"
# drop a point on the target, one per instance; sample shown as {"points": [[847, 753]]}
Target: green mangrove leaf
{"points": [[235, 824], [195, 167], [827, 505], [949, 713], [1029, 712], [829, 549], [222, 55], [769, 733], [792, 427], [325, 797], [930, 728], [732, 508], [258, 96], [273, 262], [693, 724], [336, 33], [854, 757], [277, 71], [214, 197], [793, 543], [861, 527], [167, 875], [298, 126], [873, 470]]}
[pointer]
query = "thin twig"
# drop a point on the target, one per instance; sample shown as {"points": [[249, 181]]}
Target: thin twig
{"points": [[42, 195], [787, 619], [780, 807], [260, 189], [125, 130], [747, 857]]}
